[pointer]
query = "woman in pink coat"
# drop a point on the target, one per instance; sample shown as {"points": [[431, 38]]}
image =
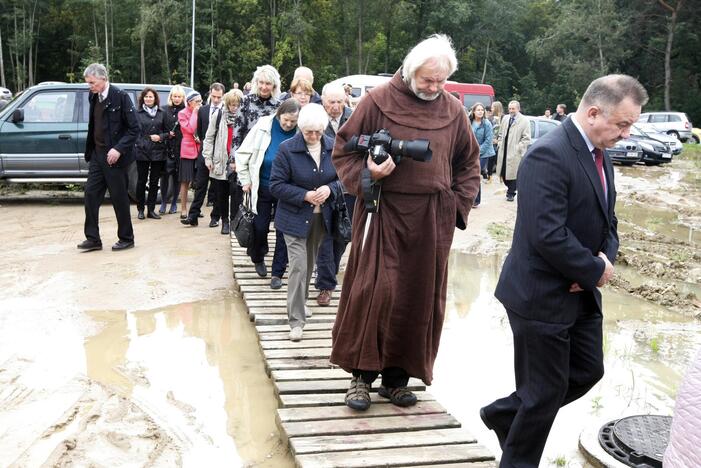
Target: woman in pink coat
{"points": [[189, 147]]}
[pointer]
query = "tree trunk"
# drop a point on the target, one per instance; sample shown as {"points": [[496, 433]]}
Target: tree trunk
{"points": [[107, 45], [143, 58], [668, 50], [165, 51], [360, 36], [273, 13], [212, 54], [2, 64], [486, 60]]}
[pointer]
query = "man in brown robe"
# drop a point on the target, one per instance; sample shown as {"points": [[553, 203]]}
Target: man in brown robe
{"points": [[392, 306]]}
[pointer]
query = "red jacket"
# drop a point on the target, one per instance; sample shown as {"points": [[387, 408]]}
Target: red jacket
{"points": [[189, 148]]}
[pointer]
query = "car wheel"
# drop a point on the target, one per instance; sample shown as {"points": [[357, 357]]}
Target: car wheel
{"points": [[674, 134], [693, 140]]}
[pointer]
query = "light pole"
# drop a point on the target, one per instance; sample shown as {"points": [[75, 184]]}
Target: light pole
{"points": [[192, 47]]}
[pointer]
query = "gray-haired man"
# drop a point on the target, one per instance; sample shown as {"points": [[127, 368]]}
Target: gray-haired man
{"points": [[112, 131]]}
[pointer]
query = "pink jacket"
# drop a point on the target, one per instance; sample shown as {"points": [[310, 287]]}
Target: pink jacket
{"points": [[189, 148]]}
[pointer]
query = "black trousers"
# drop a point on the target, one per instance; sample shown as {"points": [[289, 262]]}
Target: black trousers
{"points": [[328, 260], [103, 177], [201, 183], [148, 171], [555, 364], [391, 376], [226, 201], [510, 187]]}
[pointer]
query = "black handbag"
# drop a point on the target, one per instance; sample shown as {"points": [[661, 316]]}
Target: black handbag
{"points": [[242, 225], [341, 226]]}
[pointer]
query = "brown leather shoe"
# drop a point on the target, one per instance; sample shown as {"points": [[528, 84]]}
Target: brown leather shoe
{"points": [[324, 298]]}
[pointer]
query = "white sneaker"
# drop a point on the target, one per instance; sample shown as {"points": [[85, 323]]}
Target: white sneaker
{"points": [[296, 334], [307, 312]]}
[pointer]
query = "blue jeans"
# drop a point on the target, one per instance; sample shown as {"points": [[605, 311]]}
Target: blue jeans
{"points": [[261, 226], [331, 250]]}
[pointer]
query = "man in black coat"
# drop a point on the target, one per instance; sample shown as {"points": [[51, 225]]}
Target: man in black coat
{"points": [[564, 245], [204, 114], [112, 131]]}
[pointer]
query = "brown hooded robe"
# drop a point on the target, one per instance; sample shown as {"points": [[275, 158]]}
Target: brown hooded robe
{"points": [[393, 301]]}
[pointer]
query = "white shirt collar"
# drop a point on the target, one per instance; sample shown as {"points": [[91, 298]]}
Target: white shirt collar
{"points": [[105, 91], [590, 146]]}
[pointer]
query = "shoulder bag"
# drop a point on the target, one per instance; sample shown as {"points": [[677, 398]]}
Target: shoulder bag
{"points": [[242, 225]]}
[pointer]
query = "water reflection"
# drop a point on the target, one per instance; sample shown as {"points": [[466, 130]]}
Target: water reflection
{"points": [[196, 369], [646, 347]]}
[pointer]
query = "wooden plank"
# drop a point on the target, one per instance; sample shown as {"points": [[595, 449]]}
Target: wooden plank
{"points": [[393, 457], [287, 344], [329, 386], [282, 303], [257, 309], [308, 335], [309, 374], [320, 444], [280, 319], [338, 427], [480, 464], [308, 327], [297, 353], [319, 413], [335, 399], [297, 364]]}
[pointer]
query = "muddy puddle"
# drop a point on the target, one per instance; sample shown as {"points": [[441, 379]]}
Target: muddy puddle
{"points": [[198, 371], [647, 348]]}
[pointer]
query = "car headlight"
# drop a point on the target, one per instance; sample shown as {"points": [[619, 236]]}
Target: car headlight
{"points": [[646, 146]]}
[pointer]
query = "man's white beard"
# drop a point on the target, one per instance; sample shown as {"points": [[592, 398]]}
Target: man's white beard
{"points": [[424, 96]]}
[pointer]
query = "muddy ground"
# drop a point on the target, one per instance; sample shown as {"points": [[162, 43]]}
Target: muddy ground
{"points": [[113, 359]]}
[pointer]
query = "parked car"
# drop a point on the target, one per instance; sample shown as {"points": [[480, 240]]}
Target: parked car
{"points": [[540, 126], [655, 152], [676, 124], [695, 136], [5, 94], [626, 152], [43, 131]]}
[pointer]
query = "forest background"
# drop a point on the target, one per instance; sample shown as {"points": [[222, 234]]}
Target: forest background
{"points": [[541, 52]]}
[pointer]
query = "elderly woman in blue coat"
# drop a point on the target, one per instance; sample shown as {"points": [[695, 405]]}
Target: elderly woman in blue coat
{"points": [[303, 180]]}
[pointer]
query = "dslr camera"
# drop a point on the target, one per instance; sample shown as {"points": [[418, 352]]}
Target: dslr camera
{"points": [[380, 145]]}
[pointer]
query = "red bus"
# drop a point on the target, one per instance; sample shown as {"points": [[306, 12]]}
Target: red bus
{"points": [[472, 93]]}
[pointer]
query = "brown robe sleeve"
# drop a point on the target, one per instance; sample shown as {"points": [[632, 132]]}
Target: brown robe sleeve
{"points": [[466, 173]]}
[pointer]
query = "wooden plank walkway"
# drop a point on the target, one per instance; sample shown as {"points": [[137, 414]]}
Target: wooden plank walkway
{"points": [[320, 430]]}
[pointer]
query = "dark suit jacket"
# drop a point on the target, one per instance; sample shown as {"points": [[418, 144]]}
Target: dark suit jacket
{"points": [[203, 123], [120, 127], [563, 222], [347, 111]]}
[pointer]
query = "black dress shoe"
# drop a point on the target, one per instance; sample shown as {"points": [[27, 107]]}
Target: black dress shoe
{"points": [[141, 215], [123, 245], [213, 222], [153, 215], [189, 222], [261, 269], [200, 215], [88, 245], [225, 229], [501, 436]]}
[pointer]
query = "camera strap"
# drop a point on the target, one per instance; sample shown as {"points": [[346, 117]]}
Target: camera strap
{"points": [[371, 191]]}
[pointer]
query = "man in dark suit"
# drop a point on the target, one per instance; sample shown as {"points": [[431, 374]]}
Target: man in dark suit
{"points": [[204, 114], [112, 131], [565, 242], [328, 261]]}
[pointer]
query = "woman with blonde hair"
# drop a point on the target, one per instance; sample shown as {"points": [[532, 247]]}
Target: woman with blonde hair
{"points": [[261, 101], [176, 103], [302, 90], [216, 151]]}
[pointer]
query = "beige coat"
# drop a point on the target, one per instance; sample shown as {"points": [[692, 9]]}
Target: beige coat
{"points": [[250, 155], [217, 154], [519, 140]]}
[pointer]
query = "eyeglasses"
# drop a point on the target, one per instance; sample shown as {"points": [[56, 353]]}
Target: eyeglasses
{"points": [[311, 132], [301, 94]]}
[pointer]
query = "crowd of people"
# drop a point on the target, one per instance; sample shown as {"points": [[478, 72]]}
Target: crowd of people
{"points": [[287, 155]]}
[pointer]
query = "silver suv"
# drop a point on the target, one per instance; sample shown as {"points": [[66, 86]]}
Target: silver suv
{"points": [[672, 123]]}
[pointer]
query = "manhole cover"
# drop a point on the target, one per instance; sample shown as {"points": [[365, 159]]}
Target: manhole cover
{"points": [[638, 441]]}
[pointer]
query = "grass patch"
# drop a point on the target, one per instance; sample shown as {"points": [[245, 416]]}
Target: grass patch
{"points": [[655, 345], [501, 232]]}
